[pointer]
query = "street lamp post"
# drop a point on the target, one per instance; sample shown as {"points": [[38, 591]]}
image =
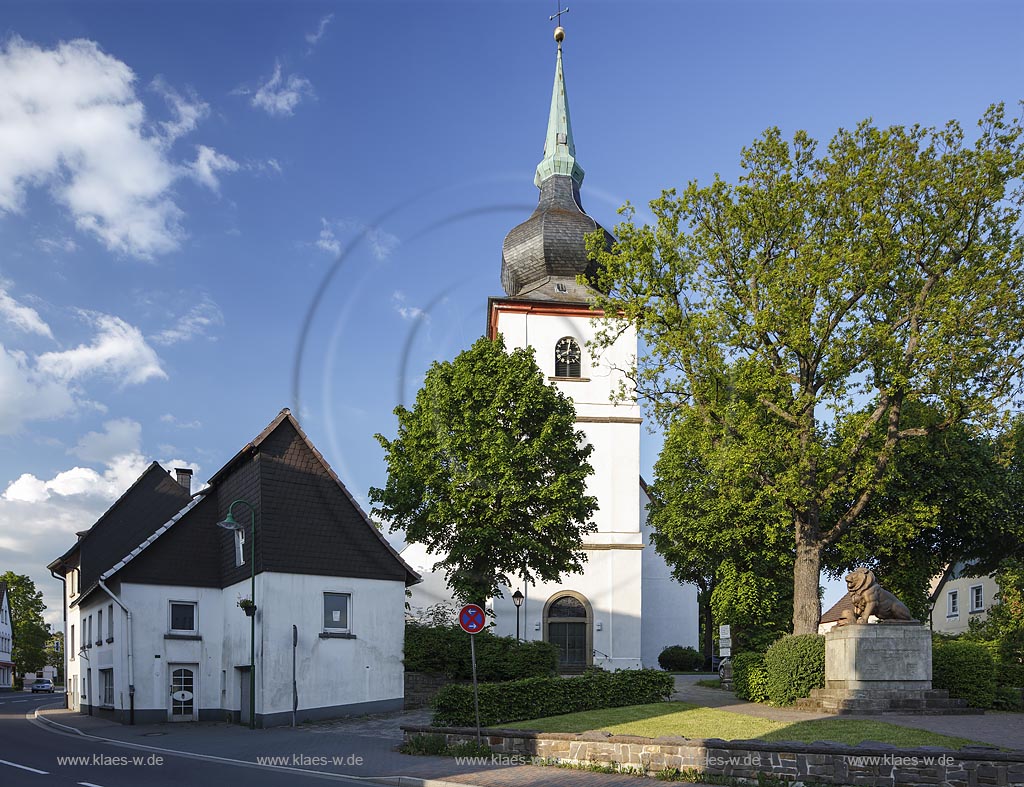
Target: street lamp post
{"points": [[517, 599], [229, 523]]}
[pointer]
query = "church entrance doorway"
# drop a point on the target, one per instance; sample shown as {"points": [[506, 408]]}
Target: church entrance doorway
{"points": [[569, 626]]}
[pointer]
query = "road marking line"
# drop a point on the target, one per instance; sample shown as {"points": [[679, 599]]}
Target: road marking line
{"points": [[23, 767], [89, 784]]}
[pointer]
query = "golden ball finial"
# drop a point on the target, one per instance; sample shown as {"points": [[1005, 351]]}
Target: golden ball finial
{"points": [[559, 33]]}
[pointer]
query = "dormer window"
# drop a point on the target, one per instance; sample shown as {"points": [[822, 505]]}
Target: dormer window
{"points": [[568, 358]]}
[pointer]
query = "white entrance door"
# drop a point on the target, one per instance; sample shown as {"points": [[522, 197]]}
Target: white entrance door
{"points": [[183, 692]]}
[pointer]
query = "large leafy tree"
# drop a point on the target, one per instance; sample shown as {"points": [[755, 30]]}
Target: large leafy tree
{"points": [[799, 312], [30, 633], [489, 471], [734, 548]]}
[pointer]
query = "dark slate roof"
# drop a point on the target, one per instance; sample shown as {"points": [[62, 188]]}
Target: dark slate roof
{"points": [[3, 592], [549, 248], [307, 522], [147, 504], [836, 611]]}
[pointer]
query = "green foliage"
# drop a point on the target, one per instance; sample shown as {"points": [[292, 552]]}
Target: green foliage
{"points": [[1008, 698], [535, 698], [676, 658], [965, 670], [750, 677], [446, 649], [795, 665], [736, 548], [425, 746], [30, 634], [489, 470], [799, 315]]}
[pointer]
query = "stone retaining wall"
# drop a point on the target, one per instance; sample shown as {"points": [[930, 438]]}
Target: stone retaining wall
{"points": [[877, 765], [422, 687]]}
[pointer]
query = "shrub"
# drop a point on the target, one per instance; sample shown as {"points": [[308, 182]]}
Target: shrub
{"points": [[1007, 698], [446, 649], [676, 658], [965, 670], [534, 698], [794, 664], [749, 677]]}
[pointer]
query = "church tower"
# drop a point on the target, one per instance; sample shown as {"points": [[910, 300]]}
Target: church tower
{"points": [[624, 607], [602, 615]]}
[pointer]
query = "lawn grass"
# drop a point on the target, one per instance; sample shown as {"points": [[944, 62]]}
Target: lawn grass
{"points": [[694, 721]]}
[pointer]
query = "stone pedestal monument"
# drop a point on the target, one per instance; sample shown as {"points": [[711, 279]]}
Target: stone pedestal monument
{"points": [[879, 660]]}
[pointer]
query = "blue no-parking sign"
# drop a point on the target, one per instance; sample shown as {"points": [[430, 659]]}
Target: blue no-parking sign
{"points": [[472, 619]]}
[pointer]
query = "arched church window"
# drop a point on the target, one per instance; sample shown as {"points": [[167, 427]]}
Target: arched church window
{"points": [[567, 607], [567, 358]]}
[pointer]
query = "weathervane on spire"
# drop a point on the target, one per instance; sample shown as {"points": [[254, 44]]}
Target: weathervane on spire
{"points": [[559, 31]]}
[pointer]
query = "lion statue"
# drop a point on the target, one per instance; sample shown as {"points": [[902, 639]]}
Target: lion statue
{"points": [[870, 598]]}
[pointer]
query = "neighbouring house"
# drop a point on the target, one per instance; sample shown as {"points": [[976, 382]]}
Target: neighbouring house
{"points": [[958, 596], [6, 641], [625, 607], [49, 672], [154, 627]]}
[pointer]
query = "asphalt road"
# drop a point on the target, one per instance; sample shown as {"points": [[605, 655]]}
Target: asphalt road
{"points": [[34, 755]]}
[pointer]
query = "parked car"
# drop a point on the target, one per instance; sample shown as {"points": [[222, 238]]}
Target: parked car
{"points": [[43, 685]]}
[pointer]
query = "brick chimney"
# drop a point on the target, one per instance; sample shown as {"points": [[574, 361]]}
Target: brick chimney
{"points": [[184, 477]]}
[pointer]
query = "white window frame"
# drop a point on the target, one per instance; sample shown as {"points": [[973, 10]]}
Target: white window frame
{"points": [[107, 687], [347, 629], [195, 616], [953, 604], [239, 548], [110, 622], [99, 626], [977, 607]]}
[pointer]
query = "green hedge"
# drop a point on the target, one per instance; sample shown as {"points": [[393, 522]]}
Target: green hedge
{"points": [[536, 698], [749, 677], [965, 670], [446, 649], [676, 658], [794, 664]]}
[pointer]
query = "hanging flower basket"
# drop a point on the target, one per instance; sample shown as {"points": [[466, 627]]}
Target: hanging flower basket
{"points": [[248, 606]]}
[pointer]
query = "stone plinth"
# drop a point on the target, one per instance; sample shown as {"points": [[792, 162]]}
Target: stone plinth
{"points": [[892, 656], [880, 668]]}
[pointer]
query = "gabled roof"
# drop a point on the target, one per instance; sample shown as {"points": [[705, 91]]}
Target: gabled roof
{"points": [[149, 502], [3, 592], [835, 612], [286, 491]]}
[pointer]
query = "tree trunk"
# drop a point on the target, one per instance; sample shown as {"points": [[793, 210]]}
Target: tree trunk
{"points": [[806, 576]]}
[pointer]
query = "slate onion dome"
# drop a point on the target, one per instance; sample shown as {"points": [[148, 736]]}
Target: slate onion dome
{"points": [[542, 257]]}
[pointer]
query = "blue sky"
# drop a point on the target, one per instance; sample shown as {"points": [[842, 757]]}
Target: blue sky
{"points": [[185, 187]]}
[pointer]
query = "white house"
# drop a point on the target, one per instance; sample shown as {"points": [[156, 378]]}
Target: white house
{"points": [[625, 607], [959, 596], [6, 641], [154, 630]]}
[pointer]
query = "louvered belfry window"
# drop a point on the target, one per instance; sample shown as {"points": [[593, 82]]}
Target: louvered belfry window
{"points": [[568, 358]]}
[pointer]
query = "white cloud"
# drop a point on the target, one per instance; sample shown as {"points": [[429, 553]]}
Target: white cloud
{"points": [[279, 95], [380, 242], [208, 163], [22, 317], [119, 437], [53, 245], [314, 38], [406, 312], [187, 111], [328, 241], [169, 418], [39, 516], [72, 122], [197, 322], [27, 395], [118, 351]]}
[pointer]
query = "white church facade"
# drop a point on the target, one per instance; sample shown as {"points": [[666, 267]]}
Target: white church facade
{"points": [[625, 607]]}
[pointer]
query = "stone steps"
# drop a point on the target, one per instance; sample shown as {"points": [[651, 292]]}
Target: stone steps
{"points": [[867, 701]]}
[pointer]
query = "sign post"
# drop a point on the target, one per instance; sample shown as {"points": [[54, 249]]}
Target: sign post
{"points": [[472, 621]]}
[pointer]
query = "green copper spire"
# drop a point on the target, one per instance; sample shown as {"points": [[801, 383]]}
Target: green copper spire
{"points": [[559, 150]]}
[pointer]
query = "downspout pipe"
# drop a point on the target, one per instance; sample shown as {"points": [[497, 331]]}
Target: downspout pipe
{"points": [[64, 604], [131, 664]]}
